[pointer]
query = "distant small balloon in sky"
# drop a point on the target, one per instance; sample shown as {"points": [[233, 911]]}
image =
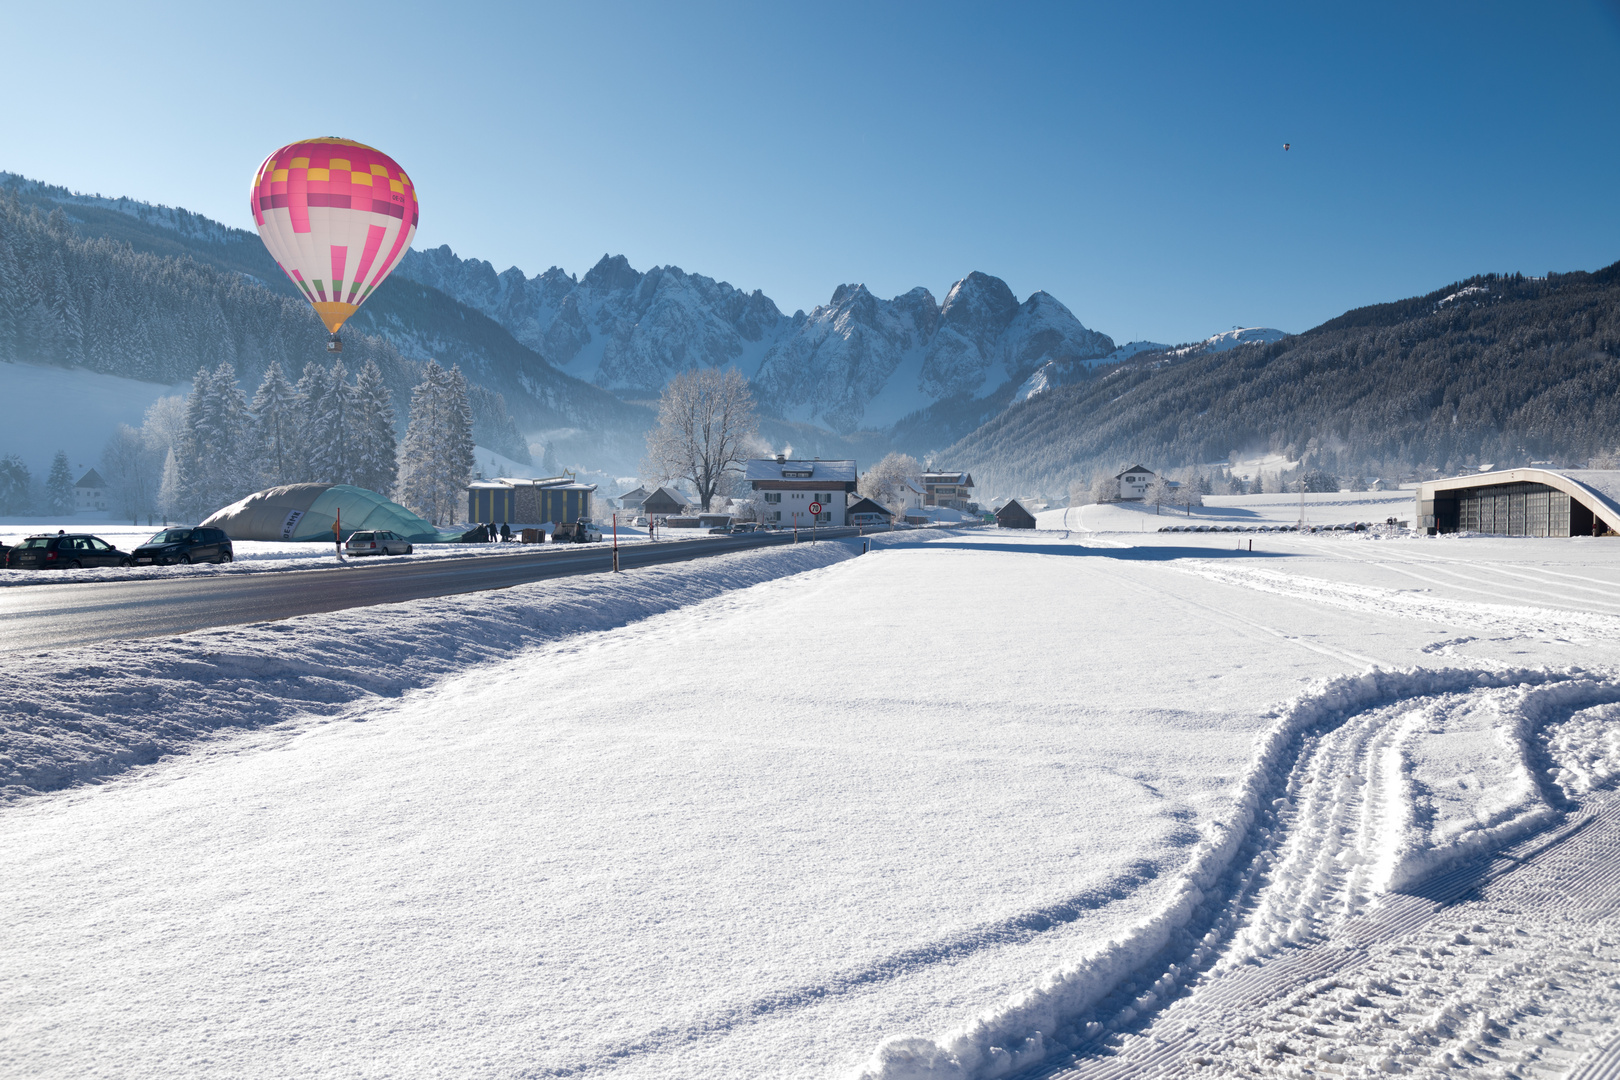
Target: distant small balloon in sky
{"points": [[337, 216], [1287, 145]]}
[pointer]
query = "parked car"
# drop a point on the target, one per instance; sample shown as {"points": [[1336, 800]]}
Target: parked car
{"points": [[64, 553], [378, 542], [745, 526], [575, 532], [641, 521], [185, 546]]}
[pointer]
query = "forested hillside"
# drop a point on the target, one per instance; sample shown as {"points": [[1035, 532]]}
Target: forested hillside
{"points": [[1496, 369], [175, 275]]}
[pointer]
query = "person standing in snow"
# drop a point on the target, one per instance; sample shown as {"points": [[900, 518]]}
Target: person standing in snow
{"points": [[506, 532]]}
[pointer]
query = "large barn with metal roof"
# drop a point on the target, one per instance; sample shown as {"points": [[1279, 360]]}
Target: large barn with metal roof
{"points": [[1523, 502]]}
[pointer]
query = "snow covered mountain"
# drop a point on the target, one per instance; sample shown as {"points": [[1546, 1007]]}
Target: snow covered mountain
{"points": [[864, 362], [1231, 339], [859, 362], [616, 327]]}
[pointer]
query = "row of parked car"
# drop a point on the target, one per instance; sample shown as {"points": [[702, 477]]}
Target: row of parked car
{"points": [[168, 547], [69, 551]]}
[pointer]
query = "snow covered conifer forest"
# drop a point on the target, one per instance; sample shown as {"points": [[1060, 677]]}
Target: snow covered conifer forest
{"points": [[198, 454]]}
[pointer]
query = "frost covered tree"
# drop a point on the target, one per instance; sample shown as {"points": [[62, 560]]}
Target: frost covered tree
{"points": [[1190, 493], [170, 487], [15, 483], [706, 426], [330, 424], [884, 482], [215, 469], [131, 469], [376, 456], [1104, 488], [436, 460], [1159, 492], [59, 487], [276, 408]]}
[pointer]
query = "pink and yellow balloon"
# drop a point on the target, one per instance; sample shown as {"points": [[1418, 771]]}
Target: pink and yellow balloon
{"points": [[337, 216]]}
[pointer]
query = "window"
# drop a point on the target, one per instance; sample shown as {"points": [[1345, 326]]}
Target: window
{"points": [[773, 497], [774, 515], [99, 545]]}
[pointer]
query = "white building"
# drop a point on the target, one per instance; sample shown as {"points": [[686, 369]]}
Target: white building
{"points": [[785, 489], [90, 493], [1134, 483]]}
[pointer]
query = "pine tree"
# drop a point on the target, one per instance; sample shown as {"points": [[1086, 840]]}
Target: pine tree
{"points": [[276, 408], [212, 462], [59, 487], [436, 461], [376, 458], [329, 427], [14, 485]]}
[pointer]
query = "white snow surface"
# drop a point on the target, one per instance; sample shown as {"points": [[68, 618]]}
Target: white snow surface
{"points": [[978, 799]]}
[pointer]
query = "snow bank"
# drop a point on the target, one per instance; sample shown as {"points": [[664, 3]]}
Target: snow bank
{"points": [[80, 715], [1055, 1012]]}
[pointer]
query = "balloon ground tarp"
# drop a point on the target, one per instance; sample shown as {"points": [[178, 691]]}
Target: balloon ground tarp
{"points": [[307, 512]]}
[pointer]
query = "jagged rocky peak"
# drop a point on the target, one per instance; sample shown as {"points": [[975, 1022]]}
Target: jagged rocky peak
{"points": [[979, 307], [612, 273]]}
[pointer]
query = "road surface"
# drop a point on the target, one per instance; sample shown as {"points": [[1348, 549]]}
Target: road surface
{"points": [[35, 619]]}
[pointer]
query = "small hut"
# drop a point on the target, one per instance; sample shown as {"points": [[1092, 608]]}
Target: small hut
{"points": [[869, 512], [663, 502], [1014, 516]]}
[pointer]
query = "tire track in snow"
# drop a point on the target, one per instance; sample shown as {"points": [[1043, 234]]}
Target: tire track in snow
{"points": [[1572, 626], [1441, 565], [1287, 898]]}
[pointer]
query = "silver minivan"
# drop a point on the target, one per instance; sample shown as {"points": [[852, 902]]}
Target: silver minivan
{"points": [[377, 543]]}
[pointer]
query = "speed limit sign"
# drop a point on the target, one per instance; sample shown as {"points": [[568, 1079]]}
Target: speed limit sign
{"points": [[815, 508]]}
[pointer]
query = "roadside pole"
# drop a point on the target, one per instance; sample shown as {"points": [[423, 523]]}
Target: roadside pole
{"points": [[615, 543], [337, 533]]}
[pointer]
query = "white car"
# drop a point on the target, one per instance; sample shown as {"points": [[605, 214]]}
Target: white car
{"points": [[377, 543]]}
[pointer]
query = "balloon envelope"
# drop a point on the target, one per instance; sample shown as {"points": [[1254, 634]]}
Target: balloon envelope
{"points": [[337, 216]]}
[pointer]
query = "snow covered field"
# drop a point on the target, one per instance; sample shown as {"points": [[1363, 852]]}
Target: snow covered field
{"points": [[971, 802]]}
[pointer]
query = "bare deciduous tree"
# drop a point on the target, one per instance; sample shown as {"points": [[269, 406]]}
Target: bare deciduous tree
{"points": [[706, 430]]}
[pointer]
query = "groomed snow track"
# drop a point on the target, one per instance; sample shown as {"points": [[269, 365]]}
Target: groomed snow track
{"points": [[1331, 928]]}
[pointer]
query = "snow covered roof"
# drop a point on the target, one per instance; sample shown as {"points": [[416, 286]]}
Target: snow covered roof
{"points": [[961, 478], [1135, 469], [91, 479], [832, 472], [554, 483], [869, 506], [1598, 489]]}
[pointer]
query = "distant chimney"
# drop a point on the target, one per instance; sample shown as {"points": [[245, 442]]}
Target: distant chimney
{"points": [[781, 459]]}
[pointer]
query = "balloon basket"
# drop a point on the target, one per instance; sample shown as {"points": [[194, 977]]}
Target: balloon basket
{"points": [[334, 344]]}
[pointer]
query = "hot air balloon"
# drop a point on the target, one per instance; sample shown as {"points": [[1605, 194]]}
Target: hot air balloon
{"points": [[337, 216], [1287, 145]]}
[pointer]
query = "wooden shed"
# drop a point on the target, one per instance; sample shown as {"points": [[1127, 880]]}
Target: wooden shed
{"points": [[662, 502], [1014, 516]]}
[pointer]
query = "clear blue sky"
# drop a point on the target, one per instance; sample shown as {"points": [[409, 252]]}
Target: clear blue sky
{"points": [[1127, 158]]}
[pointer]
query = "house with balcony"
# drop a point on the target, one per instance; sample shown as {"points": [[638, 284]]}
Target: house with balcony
{"points": [[949, 489], [784, 489]]}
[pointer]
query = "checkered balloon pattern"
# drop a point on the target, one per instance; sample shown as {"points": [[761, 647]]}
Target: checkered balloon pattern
{"points": [[337, 216]]}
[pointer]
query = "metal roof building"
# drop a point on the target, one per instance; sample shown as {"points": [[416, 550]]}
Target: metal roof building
{"points": [[513, 501], [1523, 502]]}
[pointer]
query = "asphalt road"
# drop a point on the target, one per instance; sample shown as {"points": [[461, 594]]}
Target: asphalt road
{"points": [[49, 616]]}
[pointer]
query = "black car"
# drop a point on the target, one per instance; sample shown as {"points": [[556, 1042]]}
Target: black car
{"points": [[64, 553], [185, 546]]}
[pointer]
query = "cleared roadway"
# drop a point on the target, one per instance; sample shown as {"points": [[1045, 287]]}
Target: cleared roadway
{"points": [[40, 618]]}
